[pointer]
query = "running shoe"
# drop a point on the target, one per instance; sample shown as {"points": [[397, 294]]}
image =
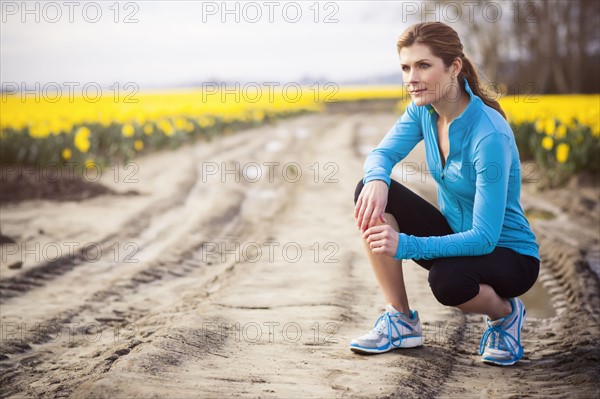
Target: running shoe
{"points": [[392, 330], [501, 341]]}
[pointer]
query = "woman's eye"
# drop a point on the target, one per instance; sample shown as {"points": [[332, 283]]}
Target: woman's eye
{"points": [[423, 66]]}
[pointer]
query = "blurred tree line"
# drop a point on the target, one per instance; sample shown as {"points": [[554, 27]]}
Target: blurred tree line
{"points": [[533, 46]]}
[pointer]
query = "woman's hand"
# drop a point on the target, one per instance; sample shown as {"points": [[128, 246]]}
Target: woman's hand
{"points": [[382, 239], [371, 204]]}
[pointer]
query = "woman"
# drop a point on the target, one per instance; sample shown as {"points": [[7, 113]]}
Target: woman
{"points": [[480, 251]]}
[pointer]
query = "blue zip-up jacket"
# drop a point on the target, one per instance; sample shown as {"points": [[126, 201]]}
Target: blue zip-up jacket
{"points": [[479, 187]]}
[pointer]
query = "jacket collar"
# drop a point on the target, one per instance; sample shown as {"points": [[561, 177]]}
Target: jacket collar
{"points": [[466, 117]]}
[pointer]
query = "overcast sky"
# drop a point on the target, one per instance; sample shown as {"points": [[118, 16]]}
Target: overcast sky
{"points": [[187, 41]]}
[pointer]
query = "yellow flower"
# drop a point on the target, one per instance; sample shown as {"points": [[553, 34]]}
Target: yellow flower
{"points": [[539, 126], [82, 139], [259, 115], [128, 130], [180, 123], [550, 127], [39, 131], [148, 129], [166, 127], [562, 152], [138, 145], [105, 122], [205, 121], [89, 164], [66, 154], [547, 142], [561, 131]]}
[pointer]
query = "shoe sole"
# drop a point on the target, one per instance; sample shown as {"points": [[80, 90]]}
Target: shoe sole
{"points": [[410, 342], [497, 363]]}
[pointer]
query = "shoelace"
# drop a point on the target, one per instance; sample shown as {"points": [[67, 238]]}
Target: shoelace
{"points": [[503, 337], [386, 319]]}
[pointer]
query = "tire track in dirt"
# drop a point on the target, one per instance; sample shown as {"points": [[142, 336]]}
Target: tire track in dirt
{"points": [[158, 217], [220, 310], [167, 269], [134, 227], [138, 274]]}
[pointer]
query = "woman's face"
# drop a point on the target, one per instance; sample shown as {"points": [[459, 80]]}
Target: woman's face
{"points": [[425, 77]]}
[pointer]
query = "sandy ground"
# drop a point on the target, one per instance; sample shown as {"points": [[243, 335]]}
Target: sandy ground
{"points": [[214, 281]]}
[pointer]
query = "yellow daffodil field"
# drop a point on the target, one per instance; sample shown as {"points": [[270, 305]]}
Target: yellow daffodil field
{"points": [[40, 131], [560, 132], [79, 130]]}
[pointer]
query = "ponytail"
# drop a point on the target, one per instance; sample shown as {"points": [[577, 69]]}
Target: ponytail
{"points": [[469, 71]]}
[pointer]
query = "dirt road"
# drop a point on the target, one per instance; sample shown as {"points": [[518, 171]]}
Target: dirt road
{"points": [[236, 270]]}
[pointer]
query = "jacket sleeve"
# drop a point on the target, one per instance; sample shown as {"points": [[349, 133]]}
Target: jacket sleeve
{"points": [[394, 147], [492, 162]]}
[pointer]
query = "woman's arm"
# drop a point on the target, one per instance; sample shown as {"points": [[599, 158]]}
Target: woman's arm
{"points": [[395, 146], [492, 161]]}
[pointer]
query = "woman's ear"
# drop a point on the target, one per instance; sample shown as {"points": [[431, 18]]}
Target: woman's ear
{"points": [[457, 66]]}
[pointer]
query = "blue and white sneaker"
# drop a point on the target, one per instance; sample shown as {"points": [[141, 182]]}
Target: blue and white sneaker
{"points": [[392, 330], [501, 342]]}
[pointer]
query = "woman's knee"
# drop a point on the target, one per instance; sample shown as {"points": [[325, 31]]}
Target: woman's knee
{"points": [[358, 189], [449, 287], [395, 189]]}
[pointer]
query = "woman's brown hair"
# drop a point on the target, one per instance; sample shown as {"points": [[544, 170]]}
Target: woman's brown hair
{"points": [[444, 43]]}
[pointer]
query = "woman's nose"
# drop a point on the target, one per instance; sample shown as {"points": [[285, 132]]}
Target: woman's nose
{"points": [[413, 77]]}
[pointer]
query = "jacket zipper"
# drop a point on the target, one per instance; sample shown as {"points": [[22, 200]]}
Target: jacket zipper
{"points": [[437, 147], [444, 169]]}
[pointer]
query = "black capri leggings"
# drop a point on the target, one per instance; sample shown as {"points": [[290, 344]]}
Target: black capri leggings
{"points": [[455, 280]]}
